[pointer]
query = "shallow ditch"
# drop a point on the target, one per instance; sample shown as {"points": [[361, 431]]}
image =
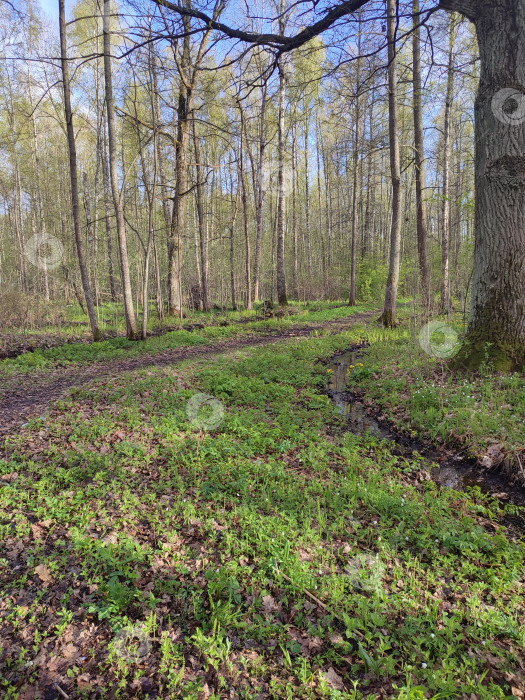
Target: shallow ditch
{"points": [[447, 468]]}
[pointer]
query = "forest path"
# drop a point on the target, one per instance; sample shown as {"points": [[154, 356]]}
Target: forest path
{"points": [[26, 396]]}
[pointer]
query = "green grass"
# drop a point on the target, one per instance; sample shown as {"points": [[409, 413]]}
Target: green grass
{"points": [[81, 353], [483, 412], [277, 554]]}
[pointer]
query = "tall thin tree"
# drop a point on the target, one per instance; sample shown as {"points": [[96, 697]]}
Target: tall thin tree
{"points": [[73, 175]]}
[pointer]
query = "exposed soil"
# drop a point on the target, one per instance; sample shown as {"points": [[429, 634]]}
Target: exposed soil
{"points": [[26, 396]]}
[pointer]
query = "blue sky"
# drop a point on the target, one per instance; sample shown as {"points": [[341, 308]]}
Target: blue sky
{"points": [[50, 7]]}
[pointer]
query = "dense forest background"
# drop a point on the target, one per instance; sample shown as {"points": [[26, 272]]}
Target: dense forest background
{"points": [[337, 203]]}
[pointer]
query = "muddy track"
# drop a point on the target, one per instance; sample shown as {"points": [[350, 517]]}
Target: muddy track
{"points": [[28, 396]]}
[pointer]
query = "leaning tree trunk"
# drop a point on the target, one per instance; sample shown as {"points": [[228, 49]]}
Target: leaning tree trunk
{"points": [[497, 315], [73, 174], [389, 312]]}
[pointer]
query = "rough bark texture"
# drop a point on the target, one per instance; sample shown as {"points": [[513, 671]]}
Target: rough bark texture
{"points": [[496, 329], [389, 312]]}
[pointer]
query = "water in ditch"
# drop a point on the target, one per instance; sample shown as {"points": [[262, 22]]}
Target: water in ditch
{"points": [[448, 470]]}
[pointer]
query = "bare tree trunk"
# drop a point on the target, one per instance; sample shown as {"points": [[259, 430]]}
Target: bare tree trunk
{"points": [[202, 224], [294, 216], [419, 159], [281, 202], [445, 235], [497, 315], [389, 311], [307, 206], [357, 146], [259, 200], [129, 312], [97, 335], [244, 196], [107, 214]]}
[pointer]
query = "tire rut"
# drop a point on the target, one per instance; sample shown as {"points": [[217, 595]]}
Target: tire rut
{"points": [[34, 393]]}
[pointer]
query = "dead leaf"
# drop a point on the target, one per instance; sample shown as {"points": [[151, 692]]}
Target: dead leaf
{"points": [[333, 680], [44, 573], [269, 604]]}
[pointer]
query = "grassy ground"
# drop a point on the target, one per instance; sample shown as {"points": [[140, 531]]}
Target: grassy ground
{"points": [[80, 353], [481, 413], [274, 556]]}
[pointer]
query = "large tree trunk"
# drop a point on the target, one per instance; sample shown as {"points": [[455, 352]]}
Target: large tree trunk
{"points": [[419, 162], [129, 313], [497, 315], [73, 174], [389, 312]]}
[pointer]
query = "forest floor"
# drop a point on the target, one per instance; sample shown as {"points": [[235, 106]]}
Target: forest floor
{"points": [[260, 550]]}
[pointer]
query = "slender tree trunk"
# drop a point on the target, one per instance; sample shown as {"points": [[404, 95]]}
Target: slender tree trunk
{"points": [[259, 200], [202, 224], [445, 231], [281, 201], [73, 174], [419, 161], [307, 204], [389, 311], [244, 196], [129, 312], [106, 186], [497, 315], [357, 146], [294, 217]]}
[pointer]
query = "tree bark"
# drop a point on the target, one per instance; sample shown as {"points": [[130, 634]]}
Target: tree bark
{"points": [[357, 146], [281, 201], [259, 201], [447, 147], [419, 161], [389, 312], [73, 174], [496, 329], [129, 312]]}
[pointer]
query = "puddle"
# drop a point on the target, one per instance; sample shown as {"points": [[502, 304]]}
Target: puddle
{"points": [[453, 471]]}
